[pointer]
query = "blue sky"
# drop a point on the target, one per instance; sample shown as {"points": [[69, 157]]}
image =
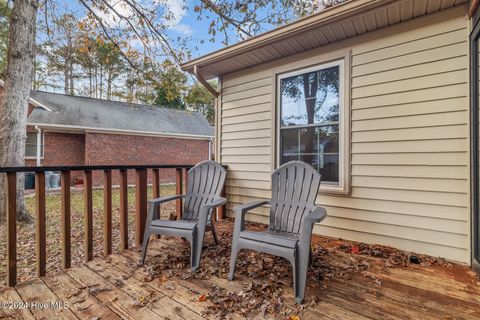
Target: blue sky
{"points": [[184, 24], [189, 25]]}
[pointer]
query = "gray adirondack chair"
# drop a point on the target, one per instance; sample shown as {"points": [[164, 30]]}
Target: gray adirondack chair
{"points": [[205, 183], [292, 216]]}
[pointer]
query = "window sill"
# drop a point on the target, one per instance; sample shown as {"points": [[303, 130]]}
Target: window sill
{"points": [[333, 190]]}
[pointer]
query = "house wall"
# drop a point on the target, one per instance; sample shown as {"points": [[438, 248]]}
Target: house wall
{"points": [[407, 101], [105, 149], [62, 149], [67, 149]]}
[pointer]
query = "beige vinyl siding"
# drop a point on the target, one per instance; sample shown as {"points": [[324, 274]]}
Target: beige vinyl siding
{"points": [[408, 145]]}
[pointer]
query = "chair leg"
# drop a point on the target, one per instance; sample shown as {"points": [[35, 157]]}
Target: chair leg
{"points": [[196, 245], [214, 233], [146, 239], [233, 260], [300, 264]]}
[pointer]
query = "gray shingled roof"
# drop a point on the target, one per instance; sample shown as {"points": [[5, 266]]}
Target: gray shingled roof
{"points": [[114, 115]]}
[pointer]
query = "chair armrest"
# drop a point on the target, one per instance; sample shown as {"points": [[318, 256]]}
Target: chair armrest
{"points": [[308, 220], [208, 207], [317, 215], [217, 202], [241, 210], [165, 199]]}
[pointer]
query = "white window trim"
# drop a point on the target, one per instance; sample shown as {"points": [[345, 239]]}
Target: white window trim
{"points": [[312, 64], [43, 148]]}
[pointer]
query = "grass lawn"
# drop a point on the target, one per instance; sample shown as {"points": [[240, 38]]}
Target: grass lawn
{"points": [[26, 232]]}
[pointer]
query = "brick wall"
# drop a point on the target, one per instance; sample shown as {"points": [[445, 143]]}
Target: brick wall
{"points": [[62, 149], [105, 149], [66, 149]]}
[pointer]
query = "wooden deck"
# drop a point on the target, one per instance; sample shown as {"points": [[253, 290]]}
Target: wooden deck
{"points": [[342, 285]]}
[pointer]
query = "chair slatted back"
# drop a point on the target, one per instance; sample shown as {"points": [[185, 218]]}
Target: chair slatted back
{"points": [[294, 189], [205, 183]]}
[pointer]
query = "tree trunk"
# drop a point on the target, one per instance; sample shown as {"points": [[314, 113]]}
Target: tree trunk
{"points": [[109, 85], [66, 76], [13, 104], [101, 82], [90, 82], [72, 89], [310, 87], [96, 82]]}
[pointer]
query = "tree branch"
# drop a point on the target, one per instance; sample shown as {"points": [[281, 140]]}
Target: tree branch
{"points": [[215, 9]]}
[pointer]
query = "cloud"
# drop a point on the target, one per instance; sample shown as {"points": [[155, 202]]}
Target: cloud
{"points": [[111, 19], [176, 10], [182, 28]]}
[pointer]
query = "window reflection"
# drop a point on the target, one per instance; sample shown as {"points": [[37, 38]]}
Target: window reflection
{"points": [[309, 128], [310, 98]]}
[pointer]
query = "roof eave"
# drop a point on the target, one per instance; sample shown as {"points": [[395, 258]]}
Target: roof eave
{"points": [[324, 17], [50, 126]]}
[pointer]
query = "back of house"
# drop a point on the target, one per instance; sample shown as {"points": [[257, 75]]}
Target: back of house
{"points": [[375, 95]]}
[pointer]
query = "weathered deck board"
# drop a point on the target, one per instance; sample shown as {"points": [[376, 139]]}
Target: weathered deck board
{"points": [[80, 301], [173, 289], [165, 306], [36, 292], [115, 299], [9, 297], [115, 288]]}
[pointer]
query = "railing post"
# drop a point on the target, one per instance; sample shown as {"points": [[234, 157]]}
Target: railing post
{"points": [[156, 187], [11, 229], [66, 226], [185, 178], [223, 209], [178, 191], [88, 215], [123, 210], [140, 204], [41, 241], [156, 183], [107, 212]]}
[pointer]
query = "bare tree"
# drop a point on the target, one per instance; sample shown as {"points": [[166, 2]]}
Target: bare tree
{"points": [[13, 104]]}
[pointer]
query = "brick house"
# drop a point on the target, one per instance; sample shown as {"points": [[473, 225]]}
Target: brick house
{"points": [[69, 130]]}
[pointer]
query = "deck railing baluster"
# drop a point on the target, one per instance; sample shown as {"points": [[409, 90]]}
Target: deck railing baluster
{"points": [[123, 210], [107, 212], [156, 189], [155, 183], [178, 191], [11, 229], [223, 209], [41, 237], [88, 214], [66, 223], [141, 197], [140, 205]]}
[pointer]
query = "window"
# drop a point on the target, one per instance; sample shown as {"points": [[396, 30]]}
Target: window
{"points": [[310, 111], [31, 146]]}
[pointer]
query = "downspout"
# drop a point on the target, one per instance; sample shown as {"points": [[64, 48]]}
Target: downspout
{"points": [[210, 149], [204, 81], [215, 94], [39, 145]]}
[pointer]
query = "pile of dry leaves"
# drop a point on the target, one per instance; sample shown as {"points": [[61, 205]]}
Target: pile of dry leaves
{"points": [[266, 281]]}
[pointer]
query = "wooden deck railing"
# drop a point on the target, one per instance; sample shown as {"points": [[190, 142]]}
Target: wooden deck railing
{"points": [[141, 184]]}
